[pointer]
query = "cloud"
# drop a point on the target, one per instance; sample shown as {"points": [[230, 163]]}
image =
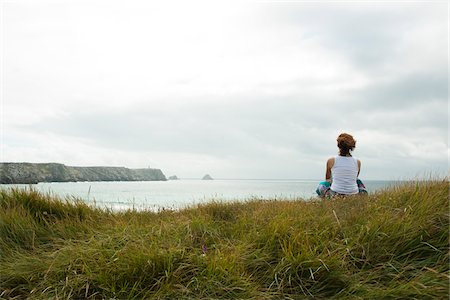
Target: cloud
{"points": [[255, 90]]}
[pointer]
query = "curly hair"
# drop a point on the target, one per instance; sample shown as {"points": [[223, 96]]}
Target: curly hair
{"points": [[345, 143]]}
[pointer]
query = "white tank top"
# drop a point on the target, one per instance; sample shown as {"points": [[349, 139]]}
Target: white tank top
{"points": [[344, 174]]}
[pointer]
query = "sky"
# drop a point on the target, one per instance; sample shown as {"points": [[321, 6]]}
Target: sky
{"points": [[234, 89]]}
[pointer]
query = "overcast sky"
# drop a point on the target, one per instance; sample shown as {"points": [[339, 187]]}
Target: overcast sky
{"points": [[236, 89]]}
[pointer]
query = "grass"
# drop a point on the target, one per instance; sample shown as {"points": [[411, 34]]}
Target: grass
{"points": [[393, 244]]}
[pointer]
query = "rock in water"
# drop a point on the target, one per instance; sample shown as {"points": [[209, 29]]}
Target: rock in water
{"points": [[173, 177], [207, 177]]}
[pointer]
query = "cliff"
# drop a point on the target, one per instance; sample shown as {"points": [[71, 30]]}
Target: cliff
{"points": [[17, 173]]}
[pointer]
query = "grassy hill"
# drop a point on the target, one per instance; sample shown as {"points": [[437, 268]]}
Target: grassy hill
{"points": [[389, 245]]}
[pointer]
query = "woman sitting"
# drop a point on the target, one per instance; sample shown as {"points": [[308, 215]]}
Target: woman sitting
{"points": [[342, 171]]}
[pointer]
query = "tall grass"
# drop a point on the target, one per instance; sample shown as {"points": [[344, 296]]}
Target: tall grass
{"points": [[391, 244]]}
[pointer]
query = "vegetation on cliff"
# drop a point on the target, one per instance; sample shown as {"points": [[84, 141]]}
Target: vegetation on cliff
{"points": [[391, 244], [16, 173]]}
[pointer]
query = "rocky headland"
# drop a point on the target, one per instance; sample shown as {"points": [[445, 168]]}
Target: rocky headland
{"points": [[30, 173]]}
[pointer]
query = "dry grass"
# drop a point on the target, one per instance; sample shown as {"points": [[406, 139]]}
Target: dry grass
{"points": [[392, 244]]}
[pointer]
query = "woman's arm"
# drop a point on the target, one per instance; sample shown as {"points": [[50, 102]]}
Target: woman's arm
{"points": [[359, 166], [330, 164]]}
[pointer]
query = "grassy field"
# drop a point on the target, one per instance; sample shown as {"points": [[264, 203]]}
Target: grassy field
{"points": [[392, 244]]}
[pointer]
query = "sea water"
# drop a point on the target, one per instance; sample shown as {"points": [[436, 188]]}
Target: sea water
{"points": [[176, 194]]}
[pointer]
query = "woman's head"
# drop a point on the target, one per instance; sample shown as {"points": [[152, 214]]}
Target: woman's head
{"points": [[345, 143]]}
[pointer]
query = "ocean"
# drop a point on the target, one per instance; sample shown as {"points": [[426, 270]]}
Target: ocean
{"points": [[177, 194]]}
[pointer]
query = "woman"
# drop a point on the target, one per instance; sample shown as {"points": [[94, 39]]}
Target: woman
{"points": [[342, 171]]}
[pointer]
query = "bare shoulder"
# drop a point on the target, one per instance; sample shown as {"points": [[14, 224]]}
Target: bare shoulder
{"points": [[330, 161]]}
